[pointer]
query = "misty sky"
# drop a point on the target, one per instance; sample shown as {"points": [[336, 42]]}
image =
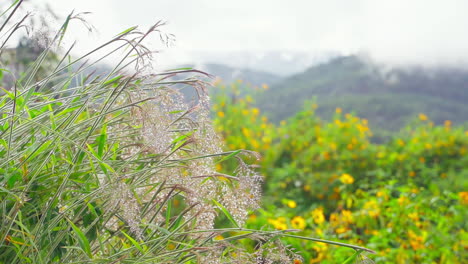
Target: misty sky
{"points": [[399, 31]]}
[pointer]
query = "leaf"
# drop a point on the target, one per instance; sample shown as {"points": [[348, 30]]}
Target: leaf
{"points": [[134, 242], [13, 178], [182, 137], [125, 31], [353, 257], [113, 80], [67, 110], [10, 94], [101, 140], [179, 69], [64, 28], [229, 156], [226, 212], [39, 150], [176, 111], [84, 243]]}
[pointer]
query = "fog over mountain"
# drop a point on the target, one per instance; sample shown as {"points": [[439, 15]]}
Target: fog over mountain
{"points": [[279, 62], [429, 32], [389, 97]]}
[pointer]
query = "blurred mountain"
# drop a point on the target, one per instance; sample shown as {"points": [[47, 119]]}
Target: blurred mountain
{"points": [[278, 62], [229, 74], [388, 97]]}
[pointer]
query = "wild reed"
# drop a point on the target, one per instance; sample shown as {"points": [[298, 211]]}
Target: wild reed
{"points": [[117, 168]]}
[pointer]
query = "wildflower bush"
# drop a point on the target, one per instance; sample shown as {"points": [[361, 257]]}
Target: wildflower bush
{"points": [[405, 198]]}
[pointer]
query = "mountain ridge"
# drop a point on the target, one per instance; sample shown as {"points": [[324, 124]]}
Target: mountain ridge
{"points": [[442, 91]]}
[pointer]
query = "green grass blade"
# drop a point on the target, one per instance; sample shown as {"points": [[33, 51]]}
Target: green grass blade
{"points": [[226, 213], [82, 240], [134, 242]]}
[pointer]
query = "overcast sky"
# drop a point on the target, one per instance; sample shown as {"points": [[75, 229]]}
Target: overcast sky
{"points": [[401, 31]]}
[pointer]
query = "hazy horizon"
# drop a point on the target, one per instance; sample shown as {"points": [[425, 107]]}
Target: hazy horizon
{"points": [[395, 32]]}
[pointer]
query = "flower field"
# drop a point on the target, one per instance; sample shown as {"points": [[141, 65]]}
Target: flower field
{"points": [[406, 198]]}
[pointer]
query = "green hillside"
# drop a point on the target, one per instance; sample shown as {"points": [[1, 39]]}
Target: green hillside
{"points": [[389, 98]]}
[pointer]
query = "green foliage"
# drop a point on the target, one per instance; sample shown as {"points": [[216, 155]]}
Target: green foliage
{"points": [[118, 168], [406, 198]]}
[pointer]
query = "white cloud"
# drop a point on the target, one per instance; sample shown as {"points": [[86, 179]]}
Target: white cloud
{"points": [[398, 31]]}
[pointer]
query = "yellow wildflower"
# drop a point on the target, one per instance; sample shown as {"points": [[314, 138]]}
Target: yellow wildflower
{"points": [[338, 110], [171, 246], [317, 215], [400, 142], [422, 117], [346, 178], [416, 241], [282, 219], [278, 224], [413, 216], [255, 144], [338, 123], [320, 257], [403, 200], [341, 230], [298, 222], [321, 250], [372, 208], [463, 197], [292, 204], [245, 132], [221, 114], [255, 111], [347, 216]]}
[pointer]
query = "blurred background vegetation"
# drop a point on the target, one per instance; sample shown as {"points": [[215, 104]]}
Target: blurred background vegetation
{"points": [[403, 194]]}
